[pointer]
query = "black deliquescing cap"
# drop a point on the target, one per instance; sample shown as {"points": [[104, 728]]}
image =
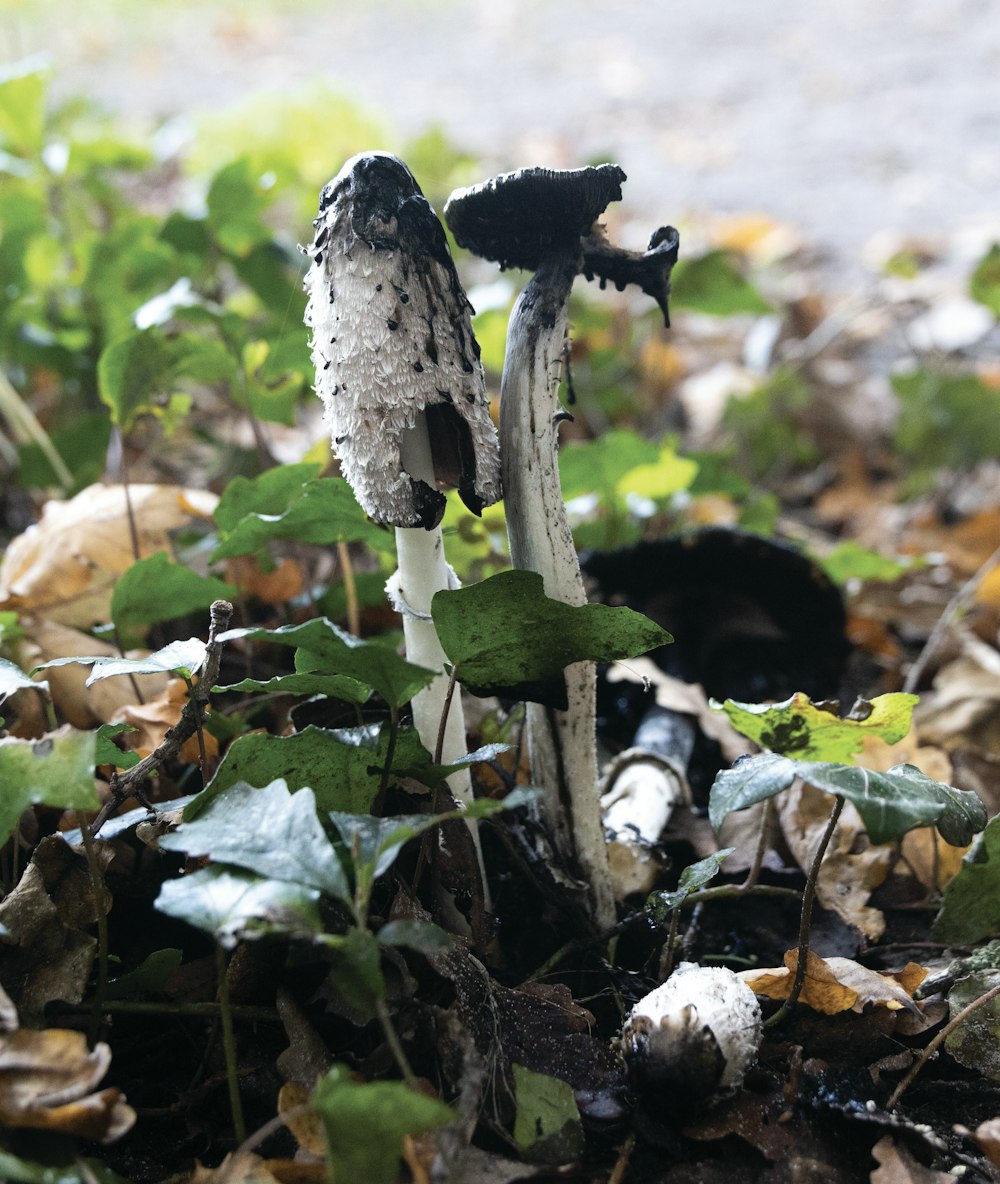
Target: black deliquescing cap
{"points": [[518, 219]]}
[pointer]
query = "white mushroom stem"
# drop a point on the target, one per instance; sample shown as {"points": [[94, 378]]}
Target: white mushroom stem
{"points": [[562, 744], [422, 571]]}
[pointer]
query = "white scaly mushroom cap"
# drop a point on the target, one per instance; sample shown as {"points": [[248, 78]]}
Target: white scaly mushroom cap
{"points": [[393, 346], [698, 1033]]}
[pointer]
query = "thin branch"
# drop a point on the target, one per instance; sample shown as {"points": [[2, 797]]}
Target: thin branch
{"points": [[128, 782]]}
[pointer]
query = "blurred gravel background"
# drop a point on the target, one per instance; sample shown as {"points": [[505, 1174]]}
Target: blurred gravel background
{"points": [[843, 119]]}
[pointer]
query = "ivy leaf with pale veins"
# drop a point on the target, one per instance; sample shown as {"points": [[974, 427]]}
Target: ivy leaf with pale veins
{"points": [[507, 638], [890, 804]]}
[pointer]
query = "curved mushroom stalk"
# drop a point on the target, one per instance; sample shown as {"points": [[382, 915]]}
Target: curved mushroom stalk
{"points": [[545, 220], [562, 745]]}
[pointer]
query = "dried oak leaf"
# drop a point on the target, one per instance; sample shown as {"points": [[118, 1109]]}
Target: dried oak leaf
{"points": [[833, 985], [45, 953], [898, 1166], [154, 718], [852, 868], [64, 567], [45, 1083]]}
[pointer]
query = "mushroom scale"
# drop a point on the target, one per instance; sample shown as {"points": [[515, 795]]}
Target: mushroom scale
{"points": [[393, 347]]}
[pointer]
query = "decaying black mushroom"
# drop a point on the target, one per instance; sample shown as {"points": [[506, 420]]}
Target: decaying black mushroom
{"points": [[546, 221]]}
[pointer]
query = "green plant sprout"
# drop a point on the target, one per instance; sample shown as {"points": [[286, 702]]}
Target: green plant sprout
{"points": [[890, 803]]}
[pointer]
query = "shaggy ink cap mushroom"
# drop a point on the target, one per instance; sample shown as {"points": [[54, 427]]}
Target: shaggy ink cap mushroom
{"points": [[397, 364], [519, 219]]}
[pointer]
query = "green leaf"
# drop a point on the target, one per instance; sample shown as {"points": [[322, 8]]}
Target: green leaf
{"points": [[80, 1171], [984, 284], [365, 1124], [270, 831], [22, 107], [752, 779], [234, 905], [712, 284], [267, 494], [660, 905], [107, 752], [184, 658], [154, 589], [373, 844], [796, 727], [13, 678], [507, 638], [423, 936], [149, 978], [974, 1042], [662, 478], [597, 466], [236, 205], [850, 561], [946, 420], [547, 1126], [137, 372], [57, 770], [970, 910], [890, 804], [356, 970], [333, 686], [334, 651], [343, 766], [322, 510]]}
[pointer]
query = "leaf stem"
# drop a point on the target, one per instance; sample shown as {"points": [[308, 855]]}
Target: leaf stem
{"points": [[395, 1045], [805, 920], [229, 1045]]}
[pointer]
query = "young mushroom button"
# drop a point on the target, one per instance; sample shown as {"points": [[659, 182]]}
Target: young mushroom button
{"points": [[545, 221]]}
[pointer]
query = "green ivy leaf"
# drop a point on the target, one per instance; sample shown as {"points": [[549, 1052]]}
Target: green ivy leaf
{"points": [[984, 284], [268, 494], [660, 905], [423, 936], [850, 561], [270, 831], [236, 204], [334, 651], [57, 770], [154, 590], [970, 910], [234, 905], [597, 466], [507, 638], [796, 727], [149, 978], [342, 766], [946, 420], [356, 971], [80, 1171], [547, 1126], [365, 1124], [890, 804], [107, 752], [333, 686], [322, 510], [713, 284], [22, 107]]}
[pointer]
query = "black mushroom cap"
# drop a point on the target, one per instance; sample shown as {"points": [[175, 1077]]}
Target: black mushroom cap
{"points": [[518, 219]]}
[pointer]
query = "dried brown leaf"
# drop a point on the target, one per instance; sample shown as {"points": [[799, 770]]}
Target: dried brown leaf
{"points": [[898, 1166], [153, 719], [833, 985]]}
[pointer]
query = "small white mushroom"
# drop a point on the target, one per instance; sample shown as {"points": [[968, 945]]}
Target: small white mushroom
{"points": [[695, 1035]]}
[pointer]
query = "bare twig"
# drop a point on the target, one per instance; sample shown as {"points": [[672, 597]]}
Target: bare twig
{"points": [[128, 782], [936, 1043]]}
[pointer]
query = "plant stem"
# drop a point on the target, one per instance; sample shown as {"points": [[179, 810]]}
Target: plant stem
{"points": [[210, 1011], [350, 588], [667, 965], [805, 920], [936, 1043], [758, 855], [396, 1047], [97, 888], [229, 1046]]}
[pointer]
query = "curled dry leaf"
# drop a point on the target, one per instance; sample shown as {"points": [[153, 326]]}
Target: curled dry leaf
{"points": [[833, 985], [78, 704], [155, 717], [987, 1135], [963, 709], [46, 1079], [64, 567], [898, 1166], [277, 586]]}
